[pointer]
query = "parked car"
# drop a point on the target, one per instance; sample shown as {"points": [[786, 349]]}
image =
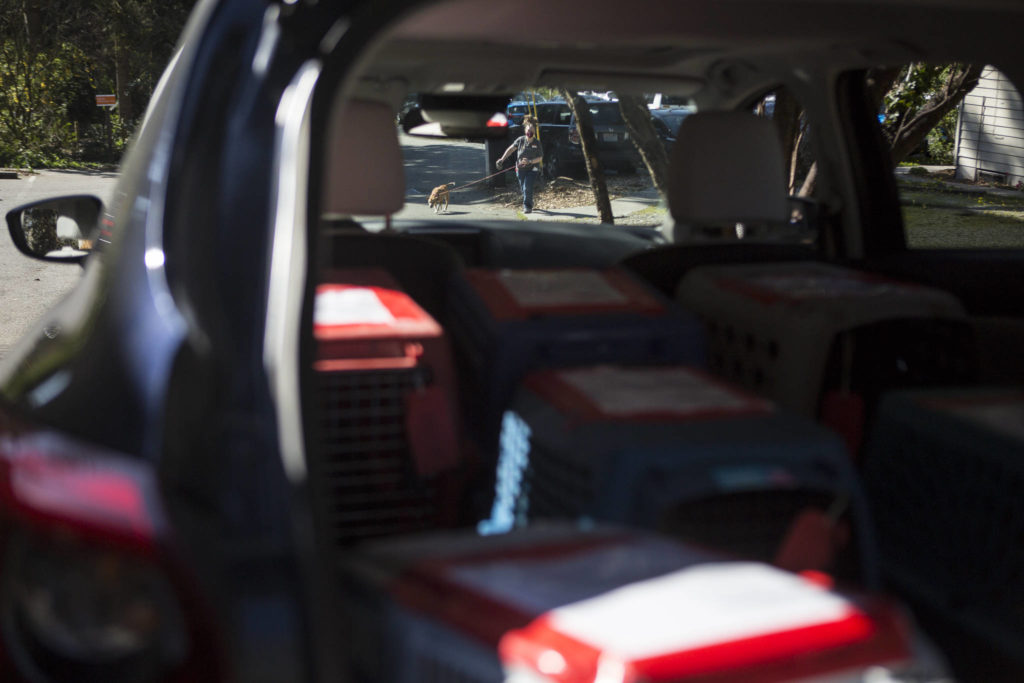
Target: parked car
{"points": [[292, 425], [516, 110], [563, 153], [522, 104], [667, 121], [661, 100]]}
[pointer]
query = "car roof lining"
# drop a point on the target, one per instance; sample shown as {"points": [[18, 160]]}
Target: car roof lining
{"points": [[695, 48], [501, 46]]}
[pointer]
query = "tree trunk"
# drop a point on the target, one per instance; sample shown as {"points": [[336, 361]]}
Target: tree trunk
{"points": [[588, 140], [807, 188], [911, 132], [645, 138], [786, 117]]}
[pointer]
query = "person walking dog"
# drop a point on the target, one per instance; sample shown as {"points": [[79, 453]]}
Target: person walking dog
{"points": [[529, 154]]}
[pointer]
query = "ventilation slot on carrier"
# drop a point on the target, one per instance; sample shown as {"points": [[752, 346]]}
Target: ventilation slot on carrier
{"points": [[367, 486]]}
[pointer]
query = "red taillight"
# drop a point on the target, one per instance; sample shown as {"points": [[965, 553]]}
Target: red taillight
{"points": [[499, 120], [88, 587], [93, 497]]}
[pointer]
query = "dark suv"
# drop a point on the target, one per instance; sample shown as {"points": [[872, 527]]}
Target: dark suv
{"points": [[563, 153]]}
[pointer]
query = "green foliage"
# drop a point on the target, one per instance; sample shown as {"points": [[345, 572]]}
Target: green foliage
{"points": [[939, 228], [57, 55], [918, 108], [33, 97], [916, 84], [942, 138]]}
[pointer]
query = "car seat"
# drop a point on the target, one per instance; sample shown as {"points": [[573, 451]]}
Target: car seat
{"points": [[725, 170], [364, 173], [365, 176]]}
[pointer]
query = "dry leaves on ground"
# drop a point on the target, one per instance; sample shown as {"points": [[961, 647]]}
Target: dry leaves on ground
{"points": [[565, 193]]}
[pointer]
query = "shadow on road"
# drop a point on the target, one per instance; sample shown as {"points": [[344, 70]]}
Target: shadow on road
{"points": [[430, 165], [111, 173]]}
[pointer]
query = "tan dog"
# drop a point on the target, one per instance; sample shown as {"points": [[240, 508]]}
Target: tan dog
{"points": [[439, 195]]}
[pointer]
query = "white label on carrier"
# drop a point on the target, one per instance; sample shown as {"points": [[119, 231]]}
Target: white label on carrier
{"points": [[540, 288], [350, 306], [699, 606], [620, 391]]}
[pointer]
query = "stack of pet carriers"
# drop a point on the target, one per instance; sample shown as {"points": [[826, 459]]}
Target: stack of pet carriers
{"points": [[507, 322], [388, 421], [561, 604], [673, 449], [824, 340]]}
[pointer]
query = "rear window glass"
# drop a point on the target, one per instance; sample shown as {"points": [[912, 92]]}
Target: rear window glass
{"points": [[961, 183], [460, 184], [606, 114]]}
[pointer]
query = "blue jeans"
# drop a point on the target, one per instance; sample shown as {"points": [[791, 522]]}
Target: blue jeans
{"points": [[526, 181]]}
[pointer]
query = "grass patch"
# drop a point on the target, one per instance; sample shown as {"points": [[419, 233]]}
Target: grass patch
{"points": [[937, 216], [650, 211], [931, 227], [939, 197]]}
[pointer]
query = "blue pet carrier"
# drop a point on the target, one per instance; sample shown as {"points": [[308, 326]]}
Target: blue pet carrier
{"points": [[506, 322], [672, 449]]}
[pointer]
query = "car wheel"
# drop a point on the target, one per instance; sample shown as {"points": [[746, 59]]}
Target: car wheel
{"points": [[552, 167]]}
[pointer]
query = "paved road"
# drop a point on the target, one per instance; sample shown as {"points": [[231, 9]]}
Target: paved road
{"points": [[430, 162], [28, 287]]}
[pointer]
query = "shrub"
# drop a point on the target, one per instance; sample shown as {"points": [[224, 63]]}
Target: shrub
{"points": [[941, 139]]}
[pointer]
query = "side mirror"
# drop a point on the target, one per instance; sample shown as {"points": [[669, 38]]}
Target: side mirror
{"points": [[60, 229]]}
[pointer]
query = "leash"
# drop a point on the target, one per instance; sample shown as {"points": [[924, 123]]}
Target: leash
{"points": [[504, 170]]}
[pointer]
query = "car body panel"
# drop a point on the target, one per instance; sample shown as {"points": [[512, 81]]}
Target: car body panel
{"points": [[188, 345]]}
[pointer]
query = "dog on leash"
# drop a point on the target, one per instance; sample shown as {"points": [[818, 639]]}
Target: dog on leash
{"points": [[439, 195]]}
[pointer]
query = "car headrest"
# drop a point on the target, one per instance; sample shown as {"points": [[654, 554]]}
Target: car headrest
{"points": [[726, 167], [364, 173]]}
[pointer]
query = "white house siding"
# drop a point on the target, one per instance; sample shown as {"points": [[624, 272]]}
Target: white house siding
{"points": [[990, 135]]}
